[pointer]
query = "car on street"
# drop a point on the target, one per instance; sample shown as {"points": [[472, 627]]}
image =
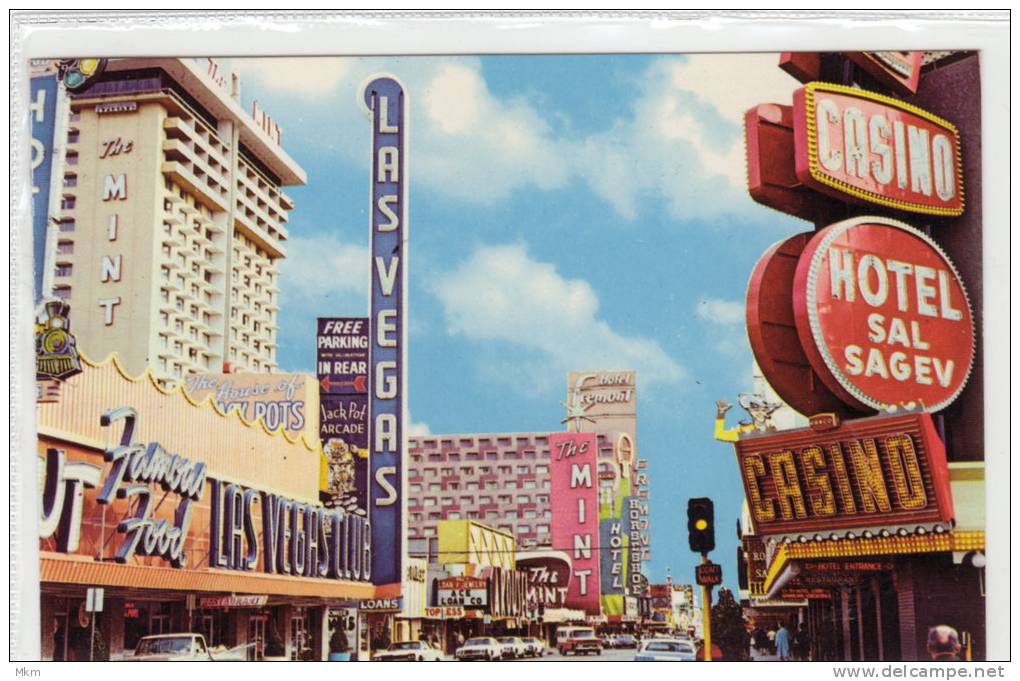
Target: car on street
{"points": [[184, 647], [577, 640], [535, 646], [412, 651], [626, 641], [481, 648], [665, 650], [608, 640], [513, 647]]}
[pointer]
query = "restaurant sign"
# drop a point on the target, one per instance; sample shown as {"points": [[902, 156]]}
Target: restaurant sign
{"points": [[875, 475], [861, 146], [883, 316]]}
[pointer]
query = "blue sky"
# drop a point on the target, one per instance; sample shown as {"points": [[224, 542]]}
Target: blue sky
{"points": [[566, 213]]}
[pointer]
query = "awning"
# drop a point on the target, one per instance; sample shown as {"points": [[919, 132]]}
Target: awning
{"points": [[89, 572], [779, 571]]}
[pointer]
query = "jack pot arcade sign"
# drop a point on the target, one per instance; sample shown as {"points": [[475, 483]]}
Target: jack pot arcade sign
{"points": [[883, 316]]}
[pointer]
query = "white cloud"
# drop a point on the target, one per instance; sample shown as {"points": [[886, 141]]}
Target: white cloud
{"points": [[721, 312], [681, 141], [303, 76], [418, 429], [320, 265], [733, 83], [501, 294]]}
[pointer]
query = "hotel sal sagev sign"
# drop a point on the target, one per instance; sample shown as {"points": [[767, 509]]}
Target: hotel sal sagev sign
{"points": [[386, 106]]}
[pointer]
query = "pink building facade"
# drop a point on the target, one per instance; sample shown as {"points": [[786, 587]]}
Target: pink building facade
{"points": [[499, 479]]}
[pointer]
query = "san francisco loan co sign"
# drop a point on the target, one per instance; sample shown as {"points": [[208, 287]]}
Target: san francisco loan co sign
{"points": [[883, 316]]}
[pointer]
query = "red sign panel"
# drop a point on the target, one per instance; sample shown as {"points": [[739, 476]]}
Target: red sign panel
{"points": [[900, 71], [883, 316], [708, 574], [878, 472], [862, 146], [772, 331]]}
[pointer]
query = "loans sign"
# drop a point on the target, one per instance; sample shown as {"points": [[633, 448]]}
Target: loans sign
{"points": [[872, 474], [386, 106], [863, 146], [883, 316]]}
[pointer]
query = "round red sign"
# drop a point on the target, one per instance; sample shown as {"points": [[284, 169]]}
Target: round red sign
{"points": [[883, 316]]}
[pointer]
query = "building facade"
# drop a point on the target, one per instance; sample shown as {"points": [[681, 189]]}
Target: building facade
{"points": [[172, 221]]}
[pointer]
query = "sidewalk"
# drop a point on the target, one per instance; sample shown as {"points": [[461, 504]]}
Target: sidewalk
{"points": [[763, 657]]}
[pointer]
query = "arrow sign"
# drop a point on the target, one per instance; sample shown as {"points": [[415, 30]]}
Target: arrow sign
{"points": [[359, 384]]}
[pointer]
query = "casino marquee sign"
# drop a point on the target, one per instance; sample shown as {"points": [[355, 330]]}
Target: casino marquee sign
{"points": [[866, 477]]}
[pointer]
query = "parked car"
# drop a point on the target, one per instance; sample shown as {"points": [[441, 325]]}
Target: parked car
{"points": [[184, 647], [577, 640], [513, 647], [534, 646], [665, 650], [626, 641], [481, 648], [608, 640], [415, 651]]}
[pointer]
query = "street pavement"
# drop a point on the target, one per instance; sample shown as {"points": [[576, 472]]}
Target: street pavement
{"points": [[610, 655]]}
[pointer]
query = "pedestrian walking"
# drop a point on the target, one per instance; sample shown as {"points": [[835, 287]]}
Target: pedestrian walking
{"points": [[802, 644], [771, 635], [943, 643], [783, 643]]}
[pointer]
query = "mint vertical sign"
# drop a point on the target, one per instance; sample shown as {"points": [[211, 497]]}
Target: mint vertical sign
{"points": [[386, 106]]}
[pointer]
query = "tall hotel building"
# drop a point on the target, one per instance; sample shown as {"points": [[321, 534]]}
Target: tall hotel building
{"points": [[172, 220]]}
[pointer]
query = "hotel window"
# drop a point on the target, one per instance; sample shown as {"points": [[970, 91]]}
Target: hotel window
{"points": [[545, 484], [521, 499], [165, 318], [530, 484], [505, 470], [416, 488], [542, 499], [64, 269], [484, 500], [447, 472], [511, 484], [430, 471], [429, 501], [506, 528], [541, 470], [71, 158], [468, 470], [510, 515], [485, 470], [416, 516], [434, 487], [467, 500], [542, 529], [72, 135], [67, 225], [62, 292], [505, 499], [412, 502], [412, 473], [70, 180], [523, 469], [530, 515], [472, 515], [165, 295], [430, 531], [453, 515], [472, 486], [180, 305], [524, 529], [492, 515], [65, 247], [491, 484], [447, 501]]}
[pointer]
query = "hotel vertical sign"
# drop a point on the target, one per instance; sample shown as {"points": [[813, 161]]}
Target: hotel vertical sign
{"points": [[386, 105]]}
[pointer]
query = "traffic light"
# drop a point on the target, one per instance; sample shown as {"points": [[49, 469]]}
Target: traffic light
{"points": [[701, 524]]}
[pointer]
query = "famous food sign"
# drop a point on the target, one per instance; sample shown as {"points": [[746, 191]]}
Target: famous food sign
{"points": [[882, 316], [883, 473], [862, 146]]}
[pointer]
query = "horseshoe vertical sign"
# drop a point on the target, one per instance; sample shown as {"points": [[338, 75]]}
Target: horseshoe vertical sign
{"points": [[386, 105]]}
